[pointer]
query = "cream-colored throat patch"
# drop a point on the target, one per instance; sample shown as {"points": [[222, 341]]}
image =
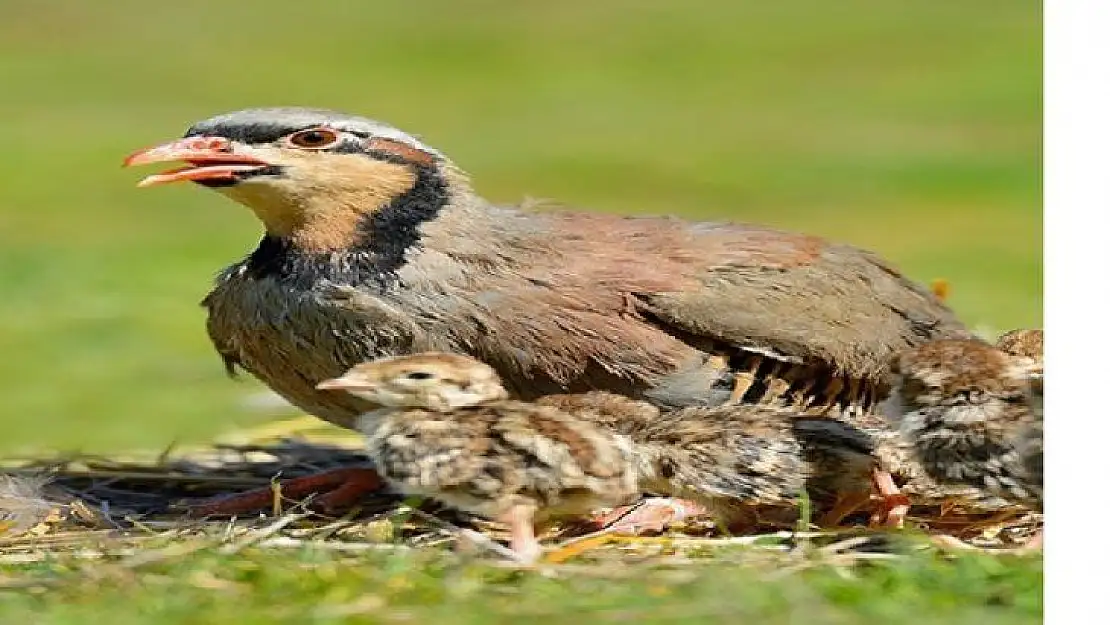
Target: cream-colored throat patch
{"points": [[323, 197]]}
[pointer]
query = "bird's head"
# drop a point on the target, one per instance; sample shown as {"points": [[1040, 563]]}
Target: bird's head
{"points": [[314, 177], [955, 374], [1026, 346], [432, 380]]}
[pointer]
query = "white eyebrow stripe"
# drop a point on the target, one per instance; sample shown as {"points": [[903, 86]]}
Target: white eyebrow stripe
{"points": [[302, 118]]}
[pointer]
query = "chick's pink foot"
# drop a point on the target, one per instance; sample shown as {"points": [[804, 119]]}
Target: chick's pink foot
{"points": [[651, 515]]}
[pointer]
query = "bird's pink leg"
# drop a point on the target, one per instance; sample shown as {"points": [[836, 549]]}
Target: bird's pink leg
{"points": [[894, 505], [522, 532], [342, 488]]}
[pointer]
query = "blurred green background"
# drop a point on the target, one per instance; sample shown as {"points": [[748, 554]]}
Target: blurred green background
{"points": [[911, 128]]}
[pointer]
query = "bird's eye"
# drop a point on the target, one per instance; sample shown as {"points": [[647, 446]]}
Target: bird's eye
{"points": [[314, 138], [419, 375]]}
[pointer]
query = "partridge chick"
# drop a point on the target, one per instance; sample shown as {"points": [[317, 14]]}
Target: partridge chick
{"points": [[967, 409], [1028, 346], [447, 431], [733, 461], [902, 476], [728, 460]]}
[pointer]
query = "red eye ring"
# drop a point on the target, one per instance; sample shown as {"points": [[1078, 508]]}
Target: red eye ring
{"points": [[314, 138]]}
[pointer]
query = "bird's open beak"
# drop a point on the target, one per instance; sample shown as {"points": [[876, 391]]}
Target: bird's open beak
{"points": [[344, 383], [209, 158]]}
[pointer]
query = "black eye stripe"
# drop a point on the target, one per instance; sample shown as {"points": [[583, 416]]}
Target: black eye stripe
{"points": [[261, 132]]}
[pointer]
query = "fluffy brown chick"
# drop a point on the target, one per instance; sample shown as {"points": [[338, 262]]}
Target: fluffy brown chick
{"points": [[1027, 345], [966, 408], [735, 460], [447, 431], [729, 460], [732, 460]]}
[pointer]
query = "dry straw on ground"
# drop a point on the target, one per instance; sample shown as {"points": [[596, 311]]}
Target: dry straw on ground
{"points": [[129, 507]]}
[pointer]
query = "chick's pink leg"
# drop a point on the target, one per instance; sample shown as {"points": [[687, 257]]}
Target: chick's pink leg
{"points": [[342, 488], [521, 521], [894, 505]]}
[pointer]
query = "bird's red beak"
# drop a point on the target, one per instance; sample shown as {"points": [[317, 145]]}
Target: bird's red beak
{"points": [[209, 158]]}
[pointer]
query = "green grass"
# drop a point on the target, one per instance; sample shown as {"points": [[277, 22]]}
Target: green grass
{"points": [[911, 128], [312, 586]]}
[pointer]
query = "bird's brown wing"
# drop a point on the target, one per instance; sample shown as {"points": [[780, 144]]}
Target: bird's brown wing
{"points": [[635, 294], [844, 307]]}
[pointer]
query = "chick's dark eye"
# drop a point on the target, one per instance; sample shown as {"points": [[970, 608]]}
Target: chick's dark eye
{"points": [[419, 375], [314, 138]]}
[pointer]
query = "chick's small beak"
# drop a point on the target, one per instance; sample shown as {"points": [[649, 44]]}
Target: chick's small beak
{"points": [[209, 158]]}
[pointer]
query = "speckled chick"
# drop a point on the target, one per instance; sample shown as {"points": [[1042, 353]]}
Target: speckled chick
{"points": [[734, 460], [966, 408], [447, 431], [1027, 345]]}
